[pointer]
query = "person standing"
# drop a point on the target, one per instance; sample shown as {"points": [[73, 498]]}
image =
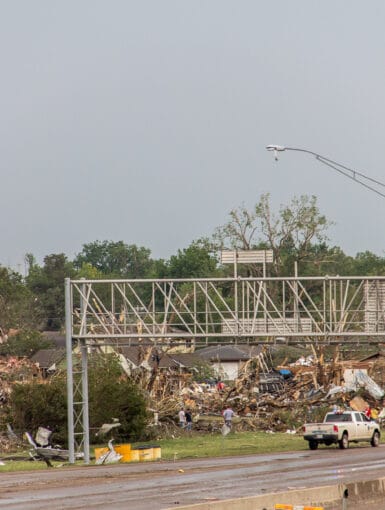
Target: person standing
{"points": [[182, 418], [220, 386], [188, 417], [228, 414]]}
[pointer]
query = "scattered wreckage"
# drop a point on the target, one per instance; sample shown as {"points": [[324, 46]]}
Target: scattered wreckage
{"points": [[109, 457], [264, 396], [42, 450], [274, 398]]}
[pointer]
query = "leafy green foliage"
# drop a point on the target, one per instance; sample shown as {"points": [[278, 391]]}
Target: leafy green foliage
{"points": [[196, 261], [113, 395], [18, 305], [34, 405], [203, 372], [25, 343], [366, 263], [116, 259], [89, 272], [47, 283], [285, 354], [290, 233]]}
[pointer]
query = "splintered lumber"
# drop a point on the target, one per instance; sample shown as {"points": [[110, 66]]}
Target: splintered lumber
{"points": [[358, 404], [262, 397]]}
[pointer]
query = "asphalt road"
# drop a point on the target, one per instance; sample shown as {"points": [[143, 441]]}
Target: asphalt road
{"points": [[160, 485]]}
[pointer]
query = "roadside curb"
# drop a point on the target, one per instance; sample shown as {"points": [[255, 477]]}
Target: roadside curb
{"points": [[358, 492]]}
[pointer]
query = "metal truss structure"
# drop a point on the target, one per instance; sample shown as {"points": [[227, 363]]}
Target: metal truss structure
{"points": [[319, 310]]}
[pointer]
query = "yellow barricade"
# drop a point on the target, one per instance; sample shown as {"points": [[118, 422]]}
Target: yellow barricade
{"points": [[145, 453], [125, 451], [156, 452], [99, 452], [279, 506], [134, 457]]}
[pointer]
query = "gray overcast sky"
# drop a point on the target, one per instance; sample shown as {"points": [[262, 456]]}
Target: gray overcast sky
{"points": [[146, 121]]}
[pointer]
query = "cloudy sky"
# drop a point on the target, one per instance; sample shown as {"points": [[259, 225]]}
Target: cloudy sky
{"points": [[146, 121]]}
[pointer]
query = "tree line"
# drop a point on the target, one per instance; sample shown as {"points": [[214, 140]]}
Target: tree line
{"points": [[297, 232]]}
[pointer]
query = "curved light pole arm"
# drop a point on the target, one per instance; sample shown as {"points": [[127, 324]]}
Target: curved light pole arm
{"points": [[342, 169]]}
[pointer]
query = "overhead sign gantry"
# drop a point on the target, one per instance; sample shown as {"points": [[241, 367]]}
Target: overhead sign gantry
{"points": [[171, 311]]}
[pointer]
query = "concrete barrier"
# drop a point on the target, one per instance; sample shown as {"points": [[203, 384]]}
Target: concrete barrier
{"points": [[328, 496]]}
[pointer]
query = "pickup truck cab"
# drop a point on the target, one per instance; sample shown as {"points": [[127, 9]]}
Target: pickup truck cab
{"points": [[341, 428]]}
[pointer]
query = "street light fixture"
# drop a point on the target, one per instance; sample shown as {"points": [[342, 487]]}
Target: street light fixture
{"points": [[354, 175]]}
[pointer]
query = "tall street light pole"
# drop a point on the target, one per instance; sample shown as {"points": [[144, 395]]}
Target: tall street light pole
{"points": [[360, 178]]}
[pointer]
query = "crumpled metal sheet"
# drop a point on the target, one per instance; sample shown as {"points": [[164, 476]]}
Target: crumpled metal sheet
{"points": [[363, 380]]}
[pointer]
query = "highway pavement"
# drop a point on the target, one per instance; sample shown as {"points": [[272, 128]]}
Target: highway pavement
{"points": [[160, 485]]}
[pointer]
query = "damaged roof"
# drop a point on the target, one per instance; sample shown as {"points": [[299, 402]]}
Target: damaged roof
{"points": [[229, 352], [178, 360], [45, 358], [56, 337], [136, 354]]}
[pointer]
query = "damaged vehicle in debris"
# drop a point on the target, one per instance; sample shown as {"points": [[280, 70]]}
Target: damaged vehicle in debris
{"points": [[341, 428]]}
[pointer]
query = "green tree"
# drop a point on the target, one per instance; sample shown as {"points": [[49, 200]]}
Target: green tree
{"points": [[33, 405], [324, 260], [159, 269], [196, 261], [89, 272], [203, 372], [18, 306], [25, 343], [47, 283], [290, 234], [368, 264], [116, 259], [113, 395]]}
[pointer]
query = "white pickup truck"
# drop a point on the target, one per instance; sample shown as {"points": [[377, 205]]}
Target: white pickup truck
{"points": [[341, 428]]}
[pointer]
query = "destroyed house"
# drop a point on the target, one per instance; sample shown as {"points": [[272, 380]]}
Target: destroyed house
{"points": [[183, 362], [379, 355], [176, 342], [47, 360], [150, 357], [228, 360], [56, 337], [171, 370]]}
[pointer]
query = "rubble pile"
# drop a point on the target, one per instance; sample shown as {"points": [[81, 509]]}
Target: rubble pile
{"points": [[264, 396], [276, 399], [14, 369]]}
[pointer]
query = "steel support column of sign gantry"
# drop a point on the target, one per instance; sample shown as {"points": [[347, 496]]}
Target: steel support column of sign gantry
{"points": [[320, 310]]}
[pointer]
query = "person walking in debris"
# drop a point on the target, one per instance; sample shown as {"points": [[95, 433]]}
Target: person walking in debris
{"points": [[228, 414], [182, 418], [220, 385], [188, 417]]}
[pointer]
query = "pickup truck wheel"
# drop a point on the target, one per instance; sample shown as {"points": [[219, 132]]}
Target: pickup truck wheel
{"points": [[375, 439], [313, 445], [343, 443]]}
